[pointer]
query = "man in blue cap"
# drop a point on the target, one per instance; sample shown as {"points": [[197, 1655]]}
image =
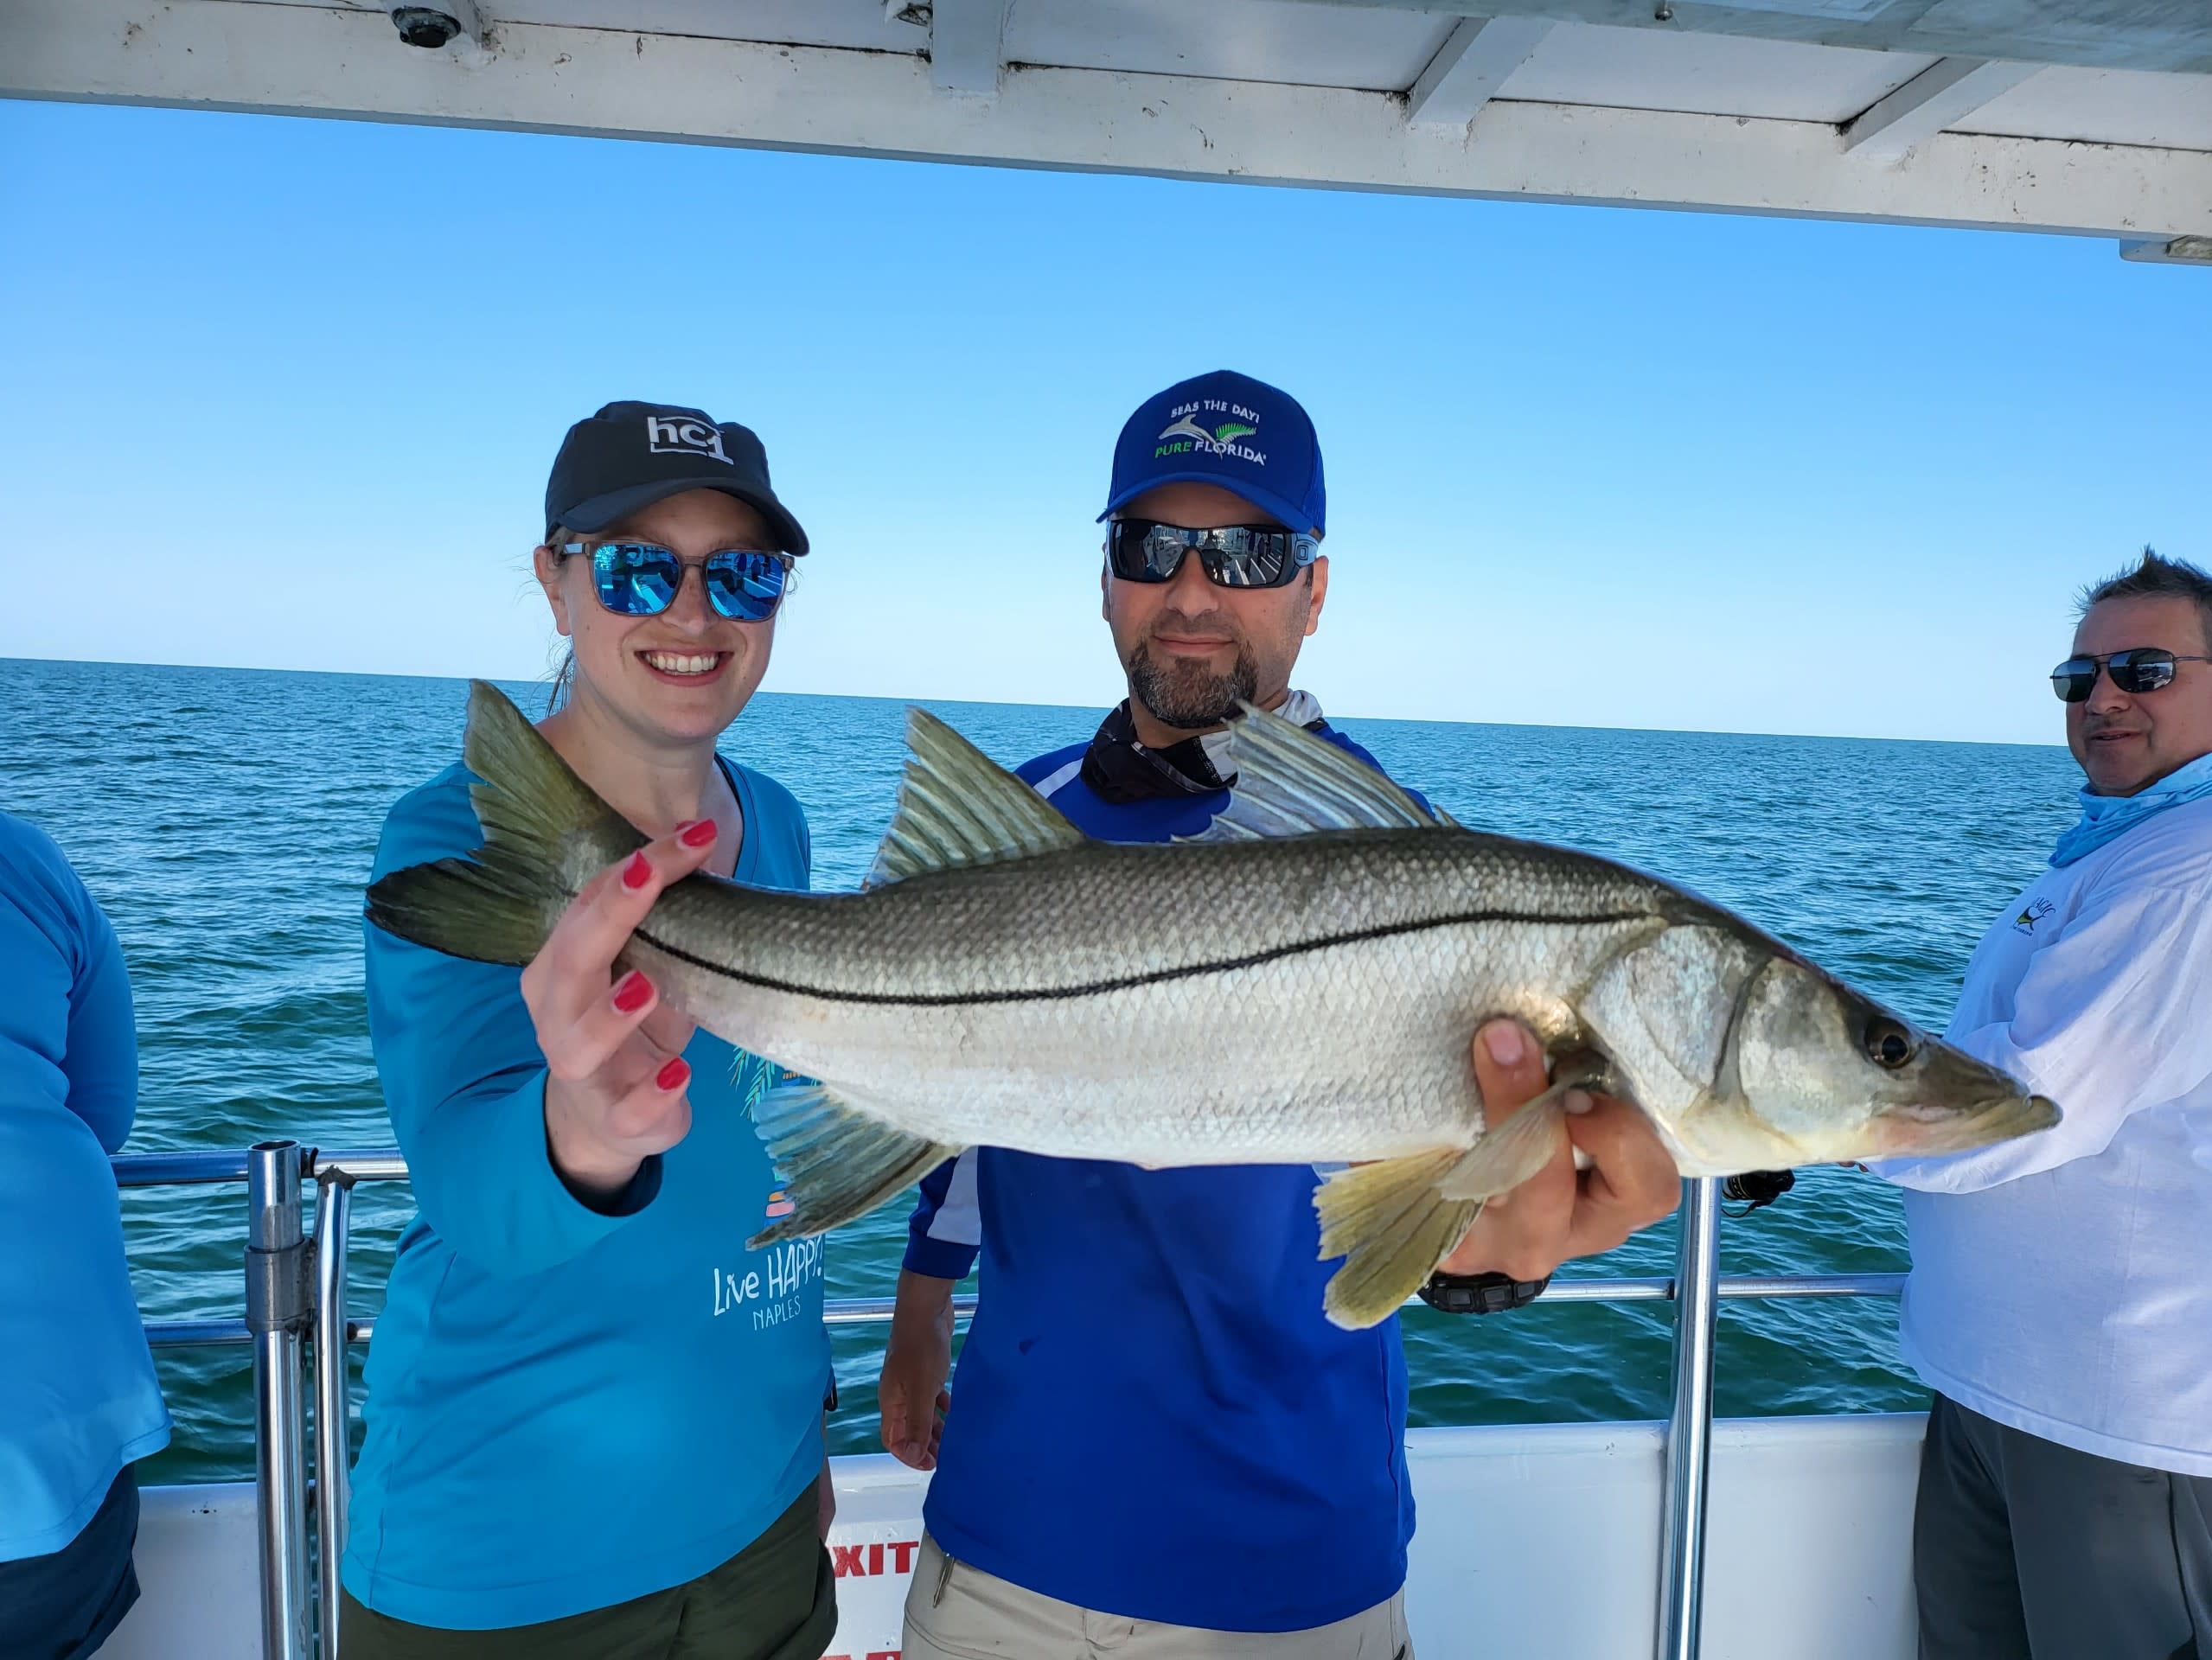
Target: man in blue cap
{"points": [[1163, 1447]]}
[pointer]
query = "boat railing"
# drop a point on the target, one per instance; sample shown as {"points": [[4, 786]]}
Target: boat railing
{"points": [[297, 1320]]}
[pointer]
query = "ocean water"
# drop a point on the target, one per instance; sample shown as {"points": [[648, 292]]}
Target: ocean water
{"points": [[226, 820]]}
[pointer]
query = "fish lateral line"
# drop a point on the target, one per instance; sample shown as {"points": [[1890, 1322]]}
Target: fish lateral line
{"points": [[1132, 982]]}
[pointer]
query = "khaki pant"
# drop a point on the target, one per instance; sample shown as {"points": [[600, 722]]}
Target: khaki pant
{"points": [[978, 1616]]}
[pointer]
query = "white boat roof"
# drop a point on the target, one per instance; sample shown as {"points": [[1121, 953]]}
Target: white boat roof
{"points": [[2080, 117]]}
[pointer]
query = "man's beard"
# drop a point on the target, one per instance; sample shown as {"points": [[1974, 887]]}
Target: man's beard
{"points": [[1184, 692]]}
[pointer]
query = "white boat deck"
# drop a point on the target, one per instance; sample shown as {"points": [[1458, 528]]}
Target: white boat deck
{"points": [[1534, 1542], [1661, 1541]]}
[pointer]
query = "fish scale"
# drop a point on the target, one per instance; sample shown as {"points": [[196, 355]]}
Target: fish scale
{"points": [[1300, 985]]}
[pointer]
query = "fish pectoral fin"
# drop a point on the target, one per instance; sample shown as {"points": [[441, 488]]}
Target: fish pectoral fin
{"points": [[833, 1162], [1515, 1151], [1392, 1226], [958, 807], [1393, 1222], [1291, 783]]}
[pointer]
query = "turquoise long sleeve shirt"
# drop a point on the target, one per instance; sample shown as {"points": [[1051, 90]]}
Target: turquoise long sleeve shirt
{"points": [[78, 1396], [570, 1407]]}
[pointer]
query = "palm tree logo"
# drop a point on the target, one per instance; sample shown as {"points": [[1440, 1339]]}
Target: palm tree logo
{"points": [[1227, 433]]}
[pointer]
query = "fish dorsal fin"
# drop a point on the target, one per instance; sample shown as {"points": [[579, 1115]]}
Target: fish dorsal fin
{"points": [[1289, 783], [958, 807]]}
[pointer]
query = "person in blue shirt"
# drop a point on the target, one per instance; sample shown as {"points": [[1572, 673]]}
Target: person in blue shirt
{"points": [[1161, 1446], [594, 1418], [79, 1403]]}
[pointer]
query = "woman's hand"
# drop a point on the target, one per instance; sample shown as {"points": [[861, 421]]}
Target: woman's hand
{"points": [[615, 1077]]}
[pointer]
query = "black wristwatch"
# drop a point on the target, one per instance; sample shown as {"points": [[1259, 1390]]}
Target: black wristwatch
{"points": [[1481, 1294]]}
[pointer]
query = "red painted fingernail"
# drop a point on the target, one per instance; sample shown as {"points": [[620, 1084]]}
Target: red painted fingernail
{"points": [[672, 1075], [634, 992], [637, 871], [697, 834]]}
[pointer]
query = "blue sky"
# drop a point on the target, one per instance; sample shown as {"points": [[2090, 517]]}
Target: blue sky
{"points": [[285, 392]]}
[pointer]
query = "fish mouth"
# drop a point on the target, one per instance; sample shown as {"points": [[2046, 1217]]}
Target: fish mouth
{"points": [[1919, 1131]]}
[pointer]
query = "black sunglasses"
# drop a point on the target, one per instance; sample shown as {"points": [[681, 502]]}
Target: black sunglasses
{"points": [[1235, 556], [643, 579], [2143, 668]]}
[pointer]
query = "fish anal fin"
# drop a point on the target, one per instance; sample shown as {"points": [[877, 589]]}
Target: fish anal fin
{"points": [[1290, 783], [833, 1162], [1392, 1226], [957, 807]]}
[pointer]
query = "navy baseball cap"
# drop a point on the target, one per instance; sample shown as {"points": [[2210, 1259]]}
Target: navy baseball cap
{"points": [[1230, 430], [628, 456]]}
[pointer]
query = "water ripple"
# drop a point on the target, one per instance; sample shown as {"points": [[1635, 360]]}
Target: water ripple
{"points": [[227, 820]]}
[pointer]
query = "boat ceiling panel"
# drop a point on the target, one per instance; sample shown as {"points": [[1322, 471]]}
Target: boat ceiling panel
{"points": [[1709, 75], [860, 25], [2170, 34], [2106, 106], [1307, 45], [1857, 108]]}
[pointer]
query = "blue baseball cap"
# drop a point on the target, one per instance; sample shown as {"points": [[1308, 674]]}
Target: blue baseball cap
{"points": [[1230, 430]]}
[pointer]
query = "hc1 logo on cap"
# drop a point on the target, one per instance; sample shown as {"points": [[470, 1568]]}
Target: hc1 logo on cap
{"points": [[665, 433]]}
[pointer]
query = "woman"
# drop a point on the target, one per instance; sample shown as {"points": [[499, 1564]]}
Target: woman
{"points": [[79, 1402], [594, 1421]]}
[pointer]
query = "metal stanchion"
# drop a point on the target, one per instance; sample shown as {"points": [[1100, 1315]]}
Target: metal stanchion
{"points": [[334, 1217], [1690, 1423], [277, 1315]]}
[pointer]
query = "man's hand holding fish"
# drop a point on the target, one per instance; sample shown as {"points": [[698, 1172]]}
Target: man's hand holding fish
{"points": [[1562, 1212]]}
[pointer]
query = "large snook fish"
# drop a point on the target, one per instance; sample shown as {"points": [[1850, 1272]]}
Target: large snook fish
{"points": [[1299, 985]]}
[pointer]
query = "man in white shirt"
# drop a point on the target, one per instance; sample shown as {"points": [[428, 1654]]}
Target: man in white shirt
{"points": [[2060, 1304]]}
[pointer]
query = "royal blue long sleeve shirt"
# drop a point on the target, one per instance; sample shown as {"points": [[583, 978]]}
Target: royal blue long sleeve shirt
{"points": [[1152, 1417], [78, 1395]]}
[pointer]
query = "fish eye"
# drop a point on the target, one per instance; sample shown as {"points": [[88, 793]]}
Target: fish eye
{"points": [[1888, 1043]]}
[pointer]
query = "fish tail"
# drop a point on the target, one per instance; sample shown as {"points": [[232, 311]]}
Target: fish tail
{"points": [[546, 832], [1395, 1220], [833, 1162]]}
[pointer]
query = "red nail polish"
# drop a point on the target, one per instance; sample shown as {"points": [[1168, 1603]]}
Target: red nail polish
{"points": [[697, 834], [633, 994], [637, 871], [671, 1077]]}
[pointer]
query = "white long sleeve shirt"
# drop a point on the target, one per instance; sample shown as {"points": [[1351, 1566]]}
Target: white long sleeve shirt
{"points": [[2061, 1282]]}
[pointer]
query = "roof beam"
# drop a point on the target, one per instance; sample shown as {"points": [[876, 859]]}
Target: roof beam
{"points": [[2179, 251], [968, 45], [2170, 34], [1470, 67], [308, 60], [1941, 96]]}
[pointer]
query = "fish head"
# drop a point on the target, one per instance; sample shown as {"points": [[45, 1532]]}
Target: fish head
{"points": [[1836, 1077]]}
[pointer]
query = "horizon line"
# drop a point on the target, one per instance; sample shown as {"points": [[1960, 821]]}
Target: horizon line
{"points": [[999, 703]]}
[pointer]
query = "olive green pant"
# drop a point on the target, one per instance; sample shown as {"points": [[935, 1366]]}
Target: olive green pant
{"points": [[776, 1599]]}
